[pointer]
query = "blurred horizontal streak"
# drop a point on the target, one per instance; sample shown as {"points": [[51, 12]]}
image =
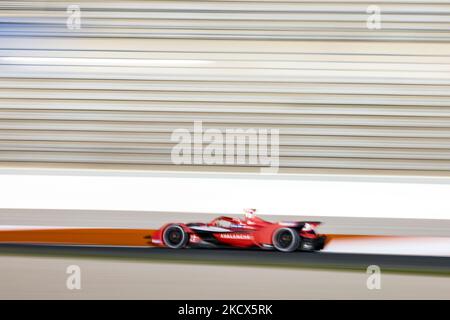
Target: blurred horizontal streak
{"points": [[341, 95], [218, 107], [291, 173], [301, 55], [165, 149], [221, 86], [291, 162], [288, 98], [223, 64], [104, 126], [402, 21], [78, 236], [288, 140], [256, 48], [228, 119]]}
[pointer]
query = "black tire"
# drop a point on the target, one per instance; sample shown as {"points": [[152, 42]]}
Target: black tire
{"points": [[175, 237], [286, 239]]}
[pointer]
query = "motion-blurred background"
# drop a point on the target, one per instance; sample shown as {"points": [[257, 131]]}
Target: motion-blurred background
{"points": [[91, 92], [353, 86]]}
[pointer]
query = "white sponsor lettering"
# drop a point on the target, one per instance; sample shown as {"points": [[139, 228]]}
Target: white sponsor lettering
{"points": [[237, 236]]}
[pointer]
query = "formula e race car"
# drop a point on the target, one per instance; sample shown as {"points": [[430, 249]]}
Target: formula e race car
{"points": [[242, 233]]}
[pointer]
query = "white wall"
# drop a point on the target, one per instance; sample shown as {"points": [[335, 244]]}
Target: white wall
{"points": [[306, 195]]}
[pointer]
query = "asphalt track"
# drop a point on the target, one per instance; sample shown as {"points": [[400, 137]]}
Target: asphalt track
{"points": [[38, 277], [251, 257], [40, 272], [31, 271]]}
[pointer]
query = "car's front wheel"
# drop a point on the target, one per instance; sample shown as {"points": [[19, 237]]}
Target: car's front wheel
{"points": [[286, 239], [175, 237]]}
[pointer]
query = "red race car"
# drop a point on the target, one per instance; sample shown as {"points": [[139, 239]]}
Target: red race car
{"points": [[242, 233]]}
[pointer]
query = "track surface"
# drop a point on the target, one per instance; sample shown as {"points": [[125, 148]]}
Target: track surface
{"points": [[36, 277], [327, 260], [40, 272], [424, 237]]}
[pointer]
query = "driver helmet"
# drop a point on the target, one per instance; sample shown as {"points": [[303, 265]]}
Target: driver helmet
{"points": [[250, 213]]}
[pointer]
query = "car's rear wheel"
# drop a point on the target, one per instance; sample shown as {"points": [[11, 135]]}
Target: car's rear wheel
{"points": [[286, 239], [175, 237]]}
